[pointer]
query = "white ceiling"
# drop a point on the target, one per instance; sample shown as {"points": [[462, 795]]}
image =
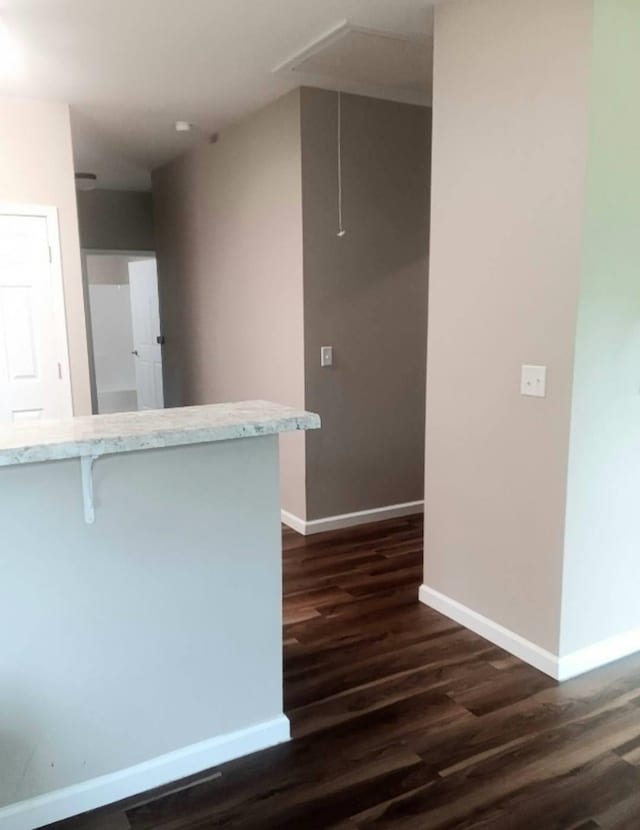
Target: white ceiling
{"points": [[131, 68]]}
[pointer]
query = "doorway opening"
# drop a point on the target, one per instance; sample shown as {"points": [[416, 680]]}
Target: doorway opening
{"points": [[125, 342]]}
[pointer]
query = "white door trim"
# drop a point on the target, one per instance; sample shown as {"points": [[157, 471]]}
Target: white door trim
{"points": [[50, 214]]}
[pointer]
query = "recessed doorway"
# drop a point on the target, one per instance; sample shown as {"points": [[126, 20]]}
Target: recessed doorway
{"points": [[125, 342]]}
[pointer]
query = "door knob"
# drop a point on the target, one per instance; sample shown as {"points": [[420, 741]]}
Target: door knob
{"points": [[135, 352]]}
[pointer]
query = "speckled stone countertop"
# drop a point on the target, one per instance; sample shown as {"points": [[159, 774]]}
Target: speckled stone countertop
{"points": [[95, 435]]}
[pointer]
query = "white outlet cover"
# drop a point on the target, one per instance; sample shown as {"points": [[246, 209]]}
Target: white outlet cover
{"points": [[326, 356], [533, 381]]}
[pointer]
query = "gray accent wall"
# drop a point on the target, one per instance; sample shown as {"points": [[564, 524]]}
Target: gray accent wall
{"points": [[116, 220], [365, 294]]}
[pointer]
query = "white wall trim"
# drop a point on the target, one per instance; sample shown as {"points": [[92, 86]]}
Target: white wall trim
{"points": [[599, 654], [294, 522], [492, 631], [106, 789], [361, 517], [560, 668]]}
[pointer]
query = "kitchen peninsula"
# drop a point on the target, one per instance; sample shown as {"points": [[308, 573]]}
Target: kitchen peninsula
{"points": [[140, 601]]}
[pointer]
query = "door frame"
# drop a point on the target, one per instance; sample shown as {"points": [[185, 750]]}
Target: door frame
{"points": [[84, 253], [50, 214]]}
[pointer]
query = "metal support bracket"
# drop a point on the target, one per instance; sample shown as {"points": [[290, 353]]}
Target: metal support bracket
{"points": [[86, 467]]}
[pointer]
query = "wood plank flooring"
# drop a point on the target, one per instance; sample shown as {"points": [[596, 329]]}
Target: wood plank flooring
{"points": [[402, 719]]}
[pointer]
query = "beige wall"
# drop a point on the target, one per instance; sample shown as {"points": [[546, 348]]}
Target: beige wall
{"points": [[36, 167], [229, 232], [366, 295], [510, 137], [116, 220]]}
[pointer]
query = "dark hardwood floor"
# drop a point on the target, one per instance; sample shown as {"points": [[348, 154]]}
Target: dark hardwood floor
{"points": [[402, 719]]}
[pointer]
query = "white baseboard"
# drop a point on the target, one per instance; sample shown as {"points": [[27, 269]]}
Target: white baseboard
{"points": [[106, 789], [294, 522], [492, 631], [361, 517], [560, 668], [599, 654]]}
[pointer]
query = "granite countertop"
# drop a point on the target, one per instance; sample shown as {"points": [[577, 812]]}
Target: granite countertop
{"points": [[95, 435]]}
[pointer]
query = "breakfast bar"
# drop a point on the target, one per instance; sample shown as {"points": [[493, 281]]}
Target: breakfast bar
{"points": [[140, 601]]}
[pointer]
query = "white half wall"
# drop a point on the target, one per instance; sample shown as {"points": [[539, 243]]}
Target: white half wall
{"points": [[106, 789], [137, 638]]}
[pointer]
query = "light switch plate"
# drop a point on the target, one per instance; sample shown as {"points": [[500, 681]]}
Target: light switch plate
{"points": [[326, 356], [534, 381]]}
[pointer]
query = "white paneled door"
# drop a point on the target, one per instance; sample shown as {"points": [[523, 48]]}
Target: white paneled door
{"points": [[34, 376], [145, 316]]}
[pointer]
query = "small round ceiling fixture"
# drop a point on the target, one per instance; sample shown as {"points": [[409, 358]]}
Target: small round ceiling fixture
{"points": [[183, 126], [86, 181]]}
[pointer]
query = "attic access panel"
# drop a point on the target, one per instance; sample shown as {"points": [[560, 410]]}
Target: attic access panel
{"points": [[356, 55]]}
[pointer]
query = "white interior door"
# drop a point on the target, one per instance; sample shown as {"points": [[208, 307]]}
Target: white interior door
{"points": [[34, 377], [145, 316]]}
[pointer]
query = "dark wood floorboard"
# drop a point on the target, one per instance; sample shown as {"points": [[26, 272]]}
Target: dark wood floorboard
{"points": [[403, 719]]}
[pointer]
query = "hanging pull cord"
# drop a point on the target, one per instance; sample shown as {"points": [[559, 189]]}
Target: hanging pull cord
{"points": [[341, 230]]}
